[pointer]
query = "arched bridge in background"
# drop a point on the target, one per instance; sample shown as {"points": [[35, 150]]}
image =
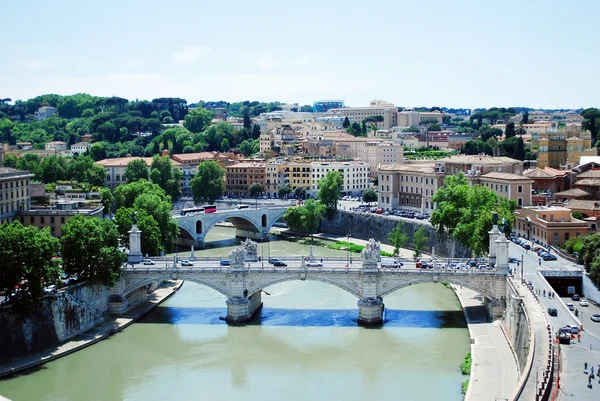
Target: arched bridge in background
{"points": [[249, 223]]}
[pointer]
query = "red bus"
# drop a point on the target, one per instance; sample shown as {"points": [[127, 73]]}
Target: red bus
{"points": [[210, 209]]}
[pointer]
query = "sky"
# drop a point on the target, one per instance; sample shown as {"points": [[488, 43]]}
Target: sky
{"points": [[461, 53]]}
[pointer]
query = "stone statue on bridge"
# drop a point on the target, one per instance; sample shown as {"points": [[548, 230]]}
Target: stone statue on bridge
{"points": [[236, 258], [371, 255], [250, 248]]}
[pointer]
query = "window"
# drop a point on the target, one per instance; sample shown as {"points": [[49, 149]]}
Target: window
{"points": [[520, 201], [566, 236], [555, 236], [520, 189]]}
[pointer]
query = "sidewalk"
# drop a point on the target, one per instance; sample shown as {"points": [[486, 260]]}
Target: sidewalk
{"points": [[494, 370], [100, 332]]}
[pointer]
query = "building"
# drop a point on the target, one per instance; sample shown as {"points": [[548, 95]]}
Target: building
{"points": [[563, 148], [115, 168], [506, 185], [321, 106], [14, 193], [552, 225], [86, 138], [409, 185], [387, 110], [374, 151], [189, 163], [473, 165], [58, 215], [549, 180], [411, 118], [272, 180], [240, 177], [356, 176], [80, 147], [457, 140], [45, 112], [55, 146], [298, 175]]}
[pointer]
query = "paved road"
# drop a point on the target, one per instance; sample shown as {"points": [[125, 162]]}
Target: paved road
{"points": [[573, 380]]}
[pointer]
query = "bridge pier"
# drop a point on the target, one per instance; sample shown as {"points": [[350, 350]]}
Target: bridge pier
{"points": [[242, 309], [370, 311]]}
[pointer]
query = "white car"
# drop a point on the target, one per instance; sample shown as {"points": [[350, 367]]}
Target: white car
{"points": [[595, 317], [314, 264], [584, 302], [187, 263], [148, 262]]}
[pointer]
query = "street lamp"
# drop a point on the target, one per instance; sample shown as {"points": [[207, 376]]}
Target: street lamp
{"points": [[262, 249], [347, 249]]}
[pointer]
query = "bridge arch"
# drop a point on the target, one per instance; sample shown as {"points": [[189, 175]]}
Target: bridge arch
{"points": [[267, 283], [198, 226], [149, 280], [470, 284]]}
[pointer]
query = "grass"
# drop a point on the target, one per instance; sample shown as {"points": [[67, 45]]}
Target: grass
{"points": [[339, 245], [465, 367], [465, 386]]}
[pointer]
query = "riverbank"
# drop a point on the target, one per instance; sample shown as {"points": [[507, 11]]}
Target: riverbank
{"points": [[111, 326], [494, 370]]}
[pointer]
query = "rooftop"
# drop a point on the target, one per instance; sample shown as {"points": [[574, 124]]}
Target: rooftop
{"points": [[578, 204], [479, 160], [505, 176], [422, 167], [123, 161], [575, 192]]}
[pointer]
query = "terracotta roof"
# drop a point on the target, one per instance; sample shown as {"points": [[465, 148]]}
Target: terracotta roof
{"points": [[546, 172], [591, 182], [505, 176], [589, 174], [194, 156], [583, 204], [576, 192], [421, 168], [123, 161], [476, 159], [246, 165]]}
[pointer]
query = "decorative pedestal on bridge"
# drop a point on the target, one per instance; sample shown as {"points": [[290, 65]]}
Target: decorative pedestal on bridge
{"points": [[370, 306], [135, 245], [250, 250], [241, 306]]}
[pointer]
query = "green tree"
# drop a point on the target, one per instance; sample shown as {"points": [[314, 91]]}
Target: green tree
{"points": [[197, 120], [89, 249], [369, 195], [300, 193], [256, 189], [208, 184], [346, 123], [108, 200], [590, 250], [525, 119], [307, 217], [10, 161], [97, 152], [398, 237], [77, 168], [166, 176], [26, 254], [95, 176], [329, 189], [591, 122], [284, 191], [520, 149], [32, 163], [247, 122], [419, 242], [509, 132], [53, 169], [246, 147], [151, 237], [255, 131], [136, 170]]}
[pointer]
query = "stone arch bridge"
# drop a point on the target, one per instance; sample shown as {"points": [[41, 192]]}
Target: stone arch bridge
{"points": [[243, 286], [249, 223]]}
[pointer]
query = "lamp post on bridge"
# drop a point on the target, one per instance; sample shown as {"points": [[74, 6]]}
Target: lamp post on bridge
{"points": [[348, 250]]}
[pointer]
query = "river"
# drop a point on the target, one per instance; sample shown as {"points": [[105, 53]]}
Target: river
{"points": [[304, 346]]}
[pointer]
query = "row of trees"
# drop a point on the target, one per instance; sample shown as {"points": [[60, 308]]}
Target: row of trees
{"points": [[88, 248], [589, 255]]}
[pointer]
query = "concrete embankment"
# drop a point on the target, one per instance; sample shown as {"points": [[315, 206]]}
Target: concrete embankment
{"points": [[98, 333]]}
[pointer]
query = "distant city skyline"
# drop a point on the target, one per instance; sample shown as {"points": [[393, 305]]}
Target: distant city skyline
{"points": [[461, 54]]}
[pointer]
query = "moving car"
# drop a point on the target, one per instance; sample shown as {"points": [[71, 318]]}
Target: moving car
{"points": [[564, 336], [187, 263], [572, 329], [552, 312], [279, 263], [390, 262], [148, 262], [274, 260], [548, 256], [570, 306], [225, 262], [314, 264], [595, 317], [575, 297], [584, 302]]}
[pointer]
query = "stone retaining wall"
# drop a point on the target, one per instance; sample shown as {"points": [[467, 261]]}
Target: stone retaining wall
{"points": [[62, 316], [368, 225]]}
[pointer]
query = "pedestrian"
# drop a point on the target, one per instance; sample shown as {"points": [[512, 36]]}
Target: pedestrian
{"points": [[589, 381], [592, 372], [579, 338], [540, 261], [585, 367]]}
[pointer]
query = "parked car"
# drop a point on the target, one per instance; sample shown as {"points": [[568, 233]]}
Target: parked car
{"points": [[279, 263], [187, 263], [584, 302], [50, 289], [575, 297], [552, 312], [595, 317], [572, 329], [314, 264], [225, 262], [564, 336], [148, 262], [526, 247]]}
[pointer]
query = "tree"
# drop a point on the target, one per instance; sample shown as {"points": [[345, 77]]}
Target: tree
{"points": [[108, 200], [10, 161], [255, 131], [30, 162], [591, 122], [247, 122], [256, 189], [369, 195], [26, 254], [590, 250], [246, 147], [420, 240], [53, 169], [95, 176], [520, 149], [166, 176], [329, 189], [509, 131], [89, 249], [300, 193], [136, 170], [151, 238], [208, 184], [97, 152], [284, 191], [398, 237], [197, 120], [307, 217], [346, 123], [525, 119]]}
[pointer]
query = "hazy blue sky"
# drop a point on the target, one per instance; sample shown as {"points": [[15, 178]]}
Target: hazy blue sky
{"points": [[463, 53]]}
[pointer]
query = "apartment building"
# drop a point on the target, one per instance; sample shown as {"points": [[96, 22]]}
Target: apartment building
{"points": [[552, 225], [373, 151], [409, 185], [272, 178], [240, 177], [57, 216], [563, 148], [506, 185], [14, 193], [189, 163], [297, 175], [80, 147], [411, 118], [115, 168], [356, 176], [55, 146], [387, 110], [481, 164]]}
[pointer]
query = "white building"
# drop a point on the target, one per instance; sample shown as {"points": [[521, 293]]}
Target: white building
{"points": [[411, 118], [387, 110], [55, 146], [80, 147], [356, 176]]}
